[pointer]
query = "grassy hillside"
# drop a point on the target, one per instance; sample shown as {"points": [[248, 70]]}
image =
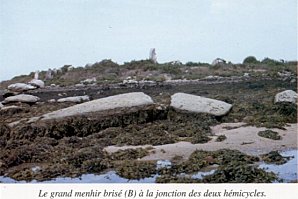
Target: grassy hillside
{"points": [[107, 71]]}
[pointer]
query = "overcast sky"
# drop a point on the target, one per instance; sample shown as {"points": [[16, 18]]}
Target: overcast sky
{"points": [[42, 34]]}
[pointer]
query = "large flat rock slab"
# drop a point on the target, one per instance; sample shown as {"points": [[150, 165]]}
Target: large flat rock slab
{"points": [[20, 87], [198, 104], [127, 100], [21, 98]]}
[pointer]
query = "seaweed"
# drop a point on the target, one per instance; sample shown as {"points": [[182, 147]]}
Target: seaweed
{"points": [[269, 134], [220, 138], [274, 157], [136, 169], [240, 173]]}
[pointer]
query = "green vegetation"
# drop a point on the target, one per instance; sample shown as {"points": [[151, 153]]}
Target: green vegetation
{"points": [[250, 60], [107, 71]]}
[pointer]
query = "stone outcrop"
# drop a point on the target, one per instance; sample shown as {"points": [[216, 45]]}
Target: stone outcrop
{"points": [[127, 100], [76, 99], [20, 87], [197, 104], [21, 98], [37, 83], [286, 96]]}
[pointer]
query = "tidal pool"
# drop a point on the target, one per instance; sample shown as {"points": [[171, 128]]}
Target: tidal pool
{"points": [[288, 171]]}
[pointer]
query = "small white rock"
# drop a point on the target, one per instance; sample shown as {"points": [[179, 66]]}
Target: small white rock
{"points": [[246, 75], [286, 96], [52, 101], [76, 99]]}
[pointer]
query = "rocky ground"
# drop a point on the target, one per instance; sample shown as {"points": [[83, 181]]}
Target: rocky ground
{"points": [[130, 140]]}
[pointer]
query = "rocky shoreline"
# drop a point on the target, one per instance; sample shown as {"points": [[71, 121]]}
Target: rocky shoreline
{"points": [[91, 141]]}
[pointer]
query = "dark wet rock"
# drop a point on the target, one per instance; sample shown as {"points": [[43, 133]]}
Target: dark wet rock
{"points": [[9, 94], [269, 134], [11, 110]]}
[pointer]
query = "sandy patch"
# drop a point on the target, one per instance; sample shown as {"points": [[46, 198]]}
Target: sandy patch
{"points": [[243, 138]]}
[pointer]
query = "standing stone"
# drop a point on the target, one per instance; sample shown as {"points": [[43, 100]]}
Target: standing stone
{"points": [[152, 55], [49, 74], [36, 75]]}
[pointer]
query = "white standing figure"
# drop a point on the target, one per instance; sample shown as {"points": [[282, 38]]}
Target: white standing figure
{"points": [[36, 74], [152, 55]]}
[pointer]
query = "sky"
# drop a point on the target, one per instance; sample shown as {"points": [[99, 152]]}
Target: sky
{"points": [[42, 34]]}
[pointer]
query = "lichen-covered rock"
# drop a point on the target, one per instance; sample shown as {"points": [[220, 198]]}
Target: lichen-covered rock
{"points": [[126, 100], [286, 96], [37, 83], [19, 87], [197, 104], [76, 99], [21, 98]]}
